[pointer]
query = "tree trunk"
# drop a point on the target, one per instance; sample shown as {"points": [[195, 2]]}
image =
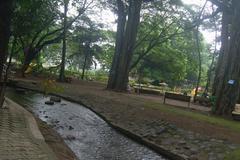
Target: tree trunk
{"points": [[84, 66], [5, 78], [62, 69], [223, 56], [229, 92], [5, 20], [29, 54], [199, 63], [118, 45], [126, 38]]}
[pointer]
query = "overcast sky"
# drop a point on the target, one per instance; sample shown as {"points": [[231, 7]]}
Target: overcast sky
{"points": [[209, 36]]}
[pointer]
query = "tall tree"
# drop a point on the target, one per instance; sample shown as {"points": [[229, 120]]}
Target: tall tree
{"points": [[38, 28], [124, 49], [5, 20], [160, 23], [227, 91], [62, 69], [223, 55], [86, 45], [42, 26], [128, 21]]}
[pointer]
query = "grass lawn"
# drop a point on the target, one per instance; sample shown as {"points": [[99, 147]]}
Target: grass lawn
{"points": [[230, 124], [235, 155], [202, 117]]}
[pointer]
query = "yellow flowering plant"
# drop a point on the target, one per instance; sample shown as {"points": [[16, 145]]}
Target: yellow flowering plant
{"points": [[50, 86]]}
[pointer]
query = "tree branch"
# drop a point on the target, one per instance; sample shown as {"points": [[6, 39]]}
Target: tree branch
{"points": [[81, 11], [40, 31]]}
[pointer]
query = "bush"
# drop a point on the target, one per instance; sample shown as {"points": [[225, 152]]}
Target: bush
{"points": [[50, 86], [101, 75]]}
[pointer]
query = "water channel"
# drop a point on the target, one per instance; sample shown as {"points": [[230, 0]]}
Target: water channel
{"points": [[89, 137]]}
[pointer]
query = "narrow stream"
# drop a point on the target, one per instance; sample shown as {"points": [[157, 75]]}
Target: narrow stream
{"points": [[89, 137]]}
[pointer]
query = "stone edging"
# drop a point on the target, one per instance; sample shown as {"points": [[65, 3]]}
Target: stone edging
{"points": [[33, 130], [127, 133], [31, 122]]}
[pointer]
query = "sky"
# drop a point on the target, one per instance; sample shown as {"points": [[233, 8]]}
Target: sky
{"points": [[209, 36]]}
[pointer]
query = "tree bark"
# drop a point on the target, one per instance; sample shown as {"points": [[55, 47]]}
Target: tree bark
{"points": [[29, 54], [223, 56], [62, 69], [228, 94], [5, 20], [126, 38], [84, 65], [118, 44]]}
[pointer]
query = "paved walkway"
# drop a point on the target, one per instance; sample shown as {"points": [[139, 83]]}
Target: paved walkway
{"points": [[20, 138]]}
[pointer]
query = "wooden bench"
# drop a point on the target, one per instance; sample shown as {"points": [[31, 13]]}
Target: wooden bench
{"points": [[236, 112], [175, 96]]}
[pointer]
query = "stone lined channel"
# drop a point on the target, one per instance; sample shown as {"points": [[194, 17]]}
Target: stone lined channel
{"points": [[89, 137]]}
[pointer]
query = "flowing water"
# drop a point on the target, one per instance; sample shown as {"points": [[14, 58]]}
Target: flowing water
{"points": [[89, 137]]}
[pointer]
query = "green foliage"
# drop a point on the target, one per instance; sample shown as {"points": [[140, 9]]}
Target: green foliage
{"points": [[98, 75], [32, 16], [213, 103], [51, 55], [234, 155], [31, 21], [50, 86], [106, 56], [229, 124], [165, 48], [171, 62], [101, 76], [84, 45]]}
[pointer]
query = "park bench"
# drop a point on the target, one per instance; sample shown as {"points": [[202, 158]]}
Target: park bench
{"points": [[236, 112], [175, 96]]}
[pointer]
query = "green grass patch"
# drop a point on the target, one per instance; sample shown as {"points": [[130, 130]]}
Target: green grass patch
{"points": [[193, 115], [235, 155]]}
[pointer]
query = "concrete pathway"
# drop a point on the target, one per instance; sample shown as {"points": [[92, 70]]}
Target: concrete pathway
{"points": [[20, 138]]}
